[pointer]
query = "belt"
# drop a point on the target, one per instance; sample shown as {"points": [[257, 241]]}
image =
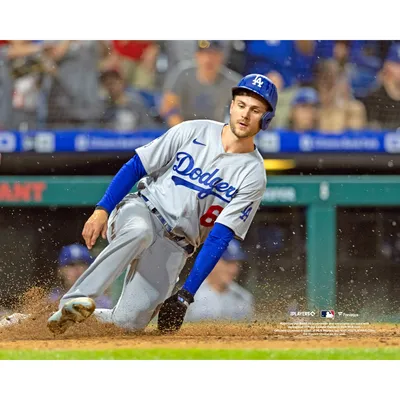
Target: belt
{"points": [[179, 240]]}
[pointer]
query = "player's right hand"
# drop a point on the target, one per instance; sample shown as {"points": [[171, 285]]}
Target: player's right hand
{"points": [[173, 311], [95, 225]]}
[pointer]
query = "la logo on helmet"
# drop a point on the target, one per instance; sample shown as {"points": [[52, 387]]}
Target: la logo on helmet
{"points": [[258, 81]]}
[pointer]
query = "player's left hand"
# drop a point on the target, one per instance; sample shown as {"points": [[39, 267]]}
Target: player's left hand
{"points": [[95, 226], [173, 311]]}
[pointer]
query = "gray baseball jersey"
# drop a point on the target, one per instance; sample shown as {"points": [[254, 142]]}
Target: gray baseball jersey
{"points": [[194, 183]]}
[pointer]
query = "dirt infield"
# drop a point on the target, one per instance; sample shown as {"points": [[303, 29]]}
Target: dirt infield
{"points": [[91, 335]]}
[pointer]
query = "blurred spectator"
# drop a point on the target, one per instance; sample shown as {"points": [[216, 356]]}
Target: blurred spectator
{"points": [[339, 111], [384, 48], [236, 59], [365, 62], [360, 58], [277, 79], [185, 50], [73, 261], [73, 90], [304, 111], [341, 54], [16, 56], [124, 110], [359, 64], [383, 105], [27, 68], [356, 69], [57, 81], [5, 88], [293, 60], [219, 297], [289, 64], [200, 89], [344, 51], [264, 56], [136, 60], [304, 60], [285, 99]]}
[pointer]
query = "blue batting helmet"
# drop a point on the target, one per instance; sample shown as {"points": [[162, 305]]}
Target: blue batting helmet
{"points": [[263, 87], [74, 253]]}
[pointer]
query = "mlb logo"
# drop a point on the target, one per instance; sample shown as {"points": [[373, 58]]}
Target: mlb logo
{"points": [[328, 314]]}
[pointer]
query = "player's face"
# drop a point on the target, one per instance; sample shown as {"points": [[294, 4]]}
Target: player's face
{"points": [[70, 274], [225, 272], [304, 117], [246, 113]]}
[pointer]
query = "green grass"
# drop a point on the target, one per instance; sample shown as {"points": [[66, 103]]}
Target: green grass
{"points": [[200, 354]]}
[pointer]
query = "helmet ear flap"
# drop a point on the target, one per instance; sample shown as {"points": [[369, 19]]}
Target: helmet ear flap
{"points": [[266, 119]]}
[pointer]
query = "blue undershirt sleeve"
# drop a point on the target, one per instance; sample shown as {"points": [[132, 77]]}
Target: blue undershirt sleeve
{"points": [[213, 248], [130, 173]]}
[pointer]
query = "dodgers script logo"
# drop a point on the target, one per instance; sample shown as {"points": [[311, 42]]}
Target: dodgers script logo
{"points": [[212, 185]]}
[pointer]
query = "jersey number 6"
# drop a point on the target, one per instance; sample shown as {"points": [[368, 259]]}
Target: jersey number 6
{"points": [[210, 216]]}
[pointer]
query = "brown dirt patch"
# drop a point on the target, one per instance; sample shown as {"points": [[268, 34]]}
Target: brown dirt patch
{"points": [[33, 334]]}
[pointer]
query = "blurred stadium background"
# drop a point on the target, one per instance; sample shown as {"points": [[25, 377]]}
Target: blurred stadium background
{"points": [[73, 109]]}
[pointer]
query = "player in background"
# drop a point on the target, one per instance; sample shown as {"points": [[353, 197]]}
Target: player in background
{"points": [[220, 297], [73, 261]]}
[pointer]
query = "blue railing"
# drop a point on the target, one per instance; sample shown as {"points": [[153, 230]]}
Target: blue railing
{"points": [[273, 142]]}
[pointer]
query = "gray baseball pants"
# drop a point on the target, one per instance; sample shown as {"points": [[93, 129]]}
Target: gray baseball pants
{"points": [[139, 243]]}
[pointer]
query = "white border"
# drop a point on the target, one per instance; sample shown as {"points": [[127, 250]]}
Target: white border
{"points": [[166, 20], [193, 380], [172, 19]]}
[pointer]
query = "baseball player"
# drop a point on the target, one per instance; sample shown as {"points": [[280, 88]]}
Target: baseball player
{"points": [[73, 261], [220, 297], [200, 182]]}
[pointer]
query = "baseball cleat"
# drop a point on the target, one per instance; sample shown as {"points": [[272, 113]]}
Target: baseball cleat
{"points": [[75, 310], [13, 319]]}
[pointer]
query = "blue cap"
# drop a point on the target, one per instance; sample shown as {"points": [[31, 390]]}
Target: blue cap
{"points": [[74, 253], [305, 95], [209, 45], [234, 252], [394, 53]]}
